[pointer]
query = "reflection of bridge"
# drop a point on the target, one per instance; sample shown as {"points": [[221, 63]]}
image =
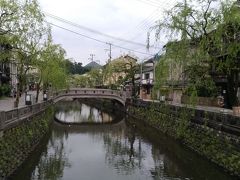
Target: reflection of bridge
{"points": [[120, 96]]}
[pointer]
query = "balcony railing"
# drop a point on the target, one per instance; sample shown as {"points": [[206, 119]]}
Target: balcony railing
{"points": [[147, 81]]}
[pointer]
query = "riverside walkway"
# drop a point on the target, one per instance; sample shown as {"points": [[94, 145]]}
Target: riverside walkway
{"points": [[7, 103], [198, 107]]}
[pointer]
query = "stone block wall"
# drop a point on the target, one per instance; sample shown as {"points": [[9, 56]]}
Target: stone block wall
{"points": [[18, 142], [203, 101], [213, 135]]}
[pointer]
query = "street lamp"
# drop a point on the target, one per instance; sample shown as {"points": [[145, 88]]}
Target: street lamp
{"points": [[28, 99], [45, 96], [1, 77]]}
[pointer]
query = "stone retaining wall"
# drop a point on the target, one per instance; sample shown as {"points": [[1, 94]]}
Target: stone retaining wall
{"points": [[202, 101], [213, 135], [18, 142]]}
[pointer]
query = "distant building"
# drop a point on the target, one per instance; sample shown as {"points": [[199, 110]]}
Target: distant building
{"points": [[116, 70], [8, 67], [145, 77]]}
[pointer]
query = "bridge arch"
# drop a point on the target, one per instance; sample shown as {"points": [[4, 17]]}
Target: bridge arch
{"points": [[120, 96]]}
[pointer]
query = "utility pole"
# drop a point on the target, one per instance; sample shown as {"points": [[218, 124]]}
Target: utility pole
{"points": [[110, 52], [91, 57]]}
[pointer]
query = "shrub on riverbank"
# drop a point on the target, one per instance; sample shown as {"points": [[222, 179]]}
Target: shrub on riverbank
{"points": [[18, 142], [5, 90]]}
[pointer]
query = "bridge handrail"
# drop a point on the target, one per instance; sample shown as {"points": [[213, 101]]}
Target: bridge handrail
{"points": [[97, 91]]}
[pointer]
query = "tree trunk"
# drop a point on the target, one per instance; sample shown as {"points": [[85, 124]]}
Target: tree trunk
{"points": [[133, 87], [232, 88], [19, 93], [16, 102], [38, 90]]}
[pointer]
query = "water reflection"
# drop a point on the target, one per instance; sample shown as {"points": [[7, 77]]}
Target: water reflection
{"points": [[78, 112], [54, 160], [115, 152], [123, 153]]}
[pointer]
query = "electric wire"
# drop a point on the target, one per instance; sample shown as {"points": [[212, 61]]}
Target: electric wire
{"points": [[100, 41], [149, 3], [147, 23], [92, 30]]}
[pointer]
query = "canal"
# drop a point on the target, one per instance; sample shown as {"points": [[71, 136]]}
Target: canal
{"points": [[104, 145]]}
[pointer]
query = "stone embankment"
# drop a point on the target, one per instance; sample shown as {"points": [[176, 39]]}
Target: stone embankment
{"points": [[213, 135], [21, 131]]}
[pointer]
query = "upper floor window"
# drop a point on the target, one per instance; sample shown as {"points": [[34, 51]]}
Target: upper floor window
{"points": [[147, 76]]}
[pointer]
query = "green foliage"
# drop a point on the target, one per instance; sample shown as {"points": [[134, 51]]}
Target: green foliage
{"points": [[18, 142], [162, 73], [5, 90], [209, 41], [95, 77], [22, 28], [113, 71], [74, 67], [176, 122], [204, 88], [79, 81], [51, 65], [119, 71]]}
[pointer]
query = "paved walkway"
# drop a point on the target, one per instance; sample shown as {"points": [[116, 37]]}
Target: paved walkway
{"points": [[7, 103], [206, 108]]}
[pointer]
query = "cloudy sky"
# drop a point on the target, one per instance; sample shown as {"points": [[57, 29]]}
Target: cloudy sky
{"points": [[106, 21]]}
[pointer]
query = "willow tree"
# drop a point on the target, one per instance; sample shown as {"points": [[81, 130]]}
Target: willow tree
{"points": [[22, 27], [225, 50], [95, 78], [114, 71], [8, 15], [195, 28], [51, 66], [29, 39], [9, 12], [9, 18], [120, 71]]}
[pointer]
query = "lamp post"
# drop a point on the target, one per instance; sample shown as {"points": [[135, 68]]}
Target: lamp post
{"points": [[28, 99], [141, 78], [0, 77], [45, 95], [224, 98]]}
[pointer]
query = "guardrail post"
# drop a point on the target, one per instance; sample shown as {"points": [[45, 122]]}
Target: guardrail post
{"points": [[2, 122]]}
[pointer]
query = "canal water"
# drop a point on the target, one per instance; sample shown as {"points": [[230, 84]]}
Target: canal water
{"points": [[107, 147]]}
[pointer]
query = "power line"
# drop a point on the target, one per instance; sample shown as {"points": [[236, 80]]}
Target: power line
{"points": [[92, 30], [100, 41], [144, 21], [149, 3], [147, 23]]}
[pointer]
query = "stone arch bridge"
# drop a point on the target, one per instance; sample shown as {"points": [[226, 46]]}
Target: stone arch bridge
{"points": [[120, 96], [12, 118]]}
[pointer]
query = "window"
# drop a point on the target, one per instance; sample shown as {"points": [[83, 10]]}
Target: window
{"points": [[148, 90], [147, 76]]}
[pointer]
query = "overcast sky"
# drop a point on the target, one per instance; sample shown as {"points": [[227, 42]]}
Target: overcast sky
{"points": [[126, 19]]}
